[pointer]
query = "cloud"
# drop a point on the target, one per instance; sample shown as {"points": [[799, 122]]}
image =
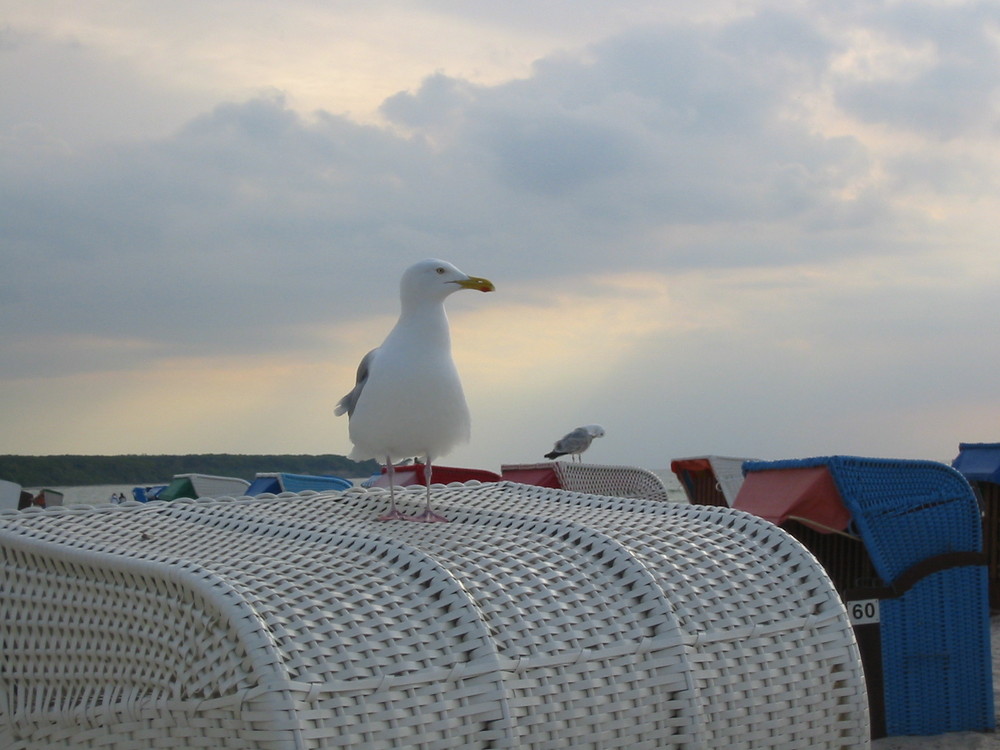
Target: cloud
{"points": [[187, 240], [78, 94], [653, 128], [930, 69], [725, 226]]}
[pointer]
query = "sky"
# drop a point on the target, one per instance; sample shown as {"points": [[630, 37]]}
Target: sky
{"points": [[755, 229]]}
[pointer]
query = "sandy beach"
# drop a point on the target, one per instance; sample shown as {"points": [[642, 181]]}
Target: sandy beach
{"points": [[954, 741]]}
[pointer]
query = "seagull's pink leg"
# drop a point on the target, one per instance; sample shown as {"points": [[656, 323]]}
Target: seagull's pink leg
{"points": [[393, 514], [429, 516]]}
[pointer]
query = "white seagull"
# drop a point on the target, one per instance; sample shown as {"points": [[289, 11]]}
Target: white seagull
{"points": [[576, 442], [408, 399]]}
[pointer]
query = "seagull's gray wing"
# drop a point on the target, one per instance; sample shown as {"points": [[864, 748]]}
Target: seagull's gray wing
{"points": [[348, 402], [576, 441]]}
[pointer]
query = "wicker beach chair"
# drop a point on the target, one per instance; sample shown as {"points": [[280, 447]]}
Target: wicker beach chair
{"points": [[710, 480], [979, 463], [902, 541], [537, 618], [595, 479]]}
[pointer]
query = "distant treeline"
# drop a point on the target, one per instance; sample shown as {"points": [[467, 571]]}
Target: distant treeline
{"points": [[68, 471]]}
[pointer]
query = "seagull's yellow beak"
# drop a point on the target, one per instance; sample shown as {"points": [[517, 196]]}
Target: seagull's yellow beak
{"points": [[474, 282]]}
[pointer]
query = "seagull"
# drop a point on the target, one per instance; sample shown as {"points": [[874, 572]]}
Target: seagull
{"points": [[576, 442], [408, 400]]}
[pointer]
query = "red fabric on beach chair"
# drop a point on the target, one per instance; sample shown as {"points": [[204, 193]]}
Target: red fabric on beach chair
{"points": [[414, 474], [539, 475], [808, 495]]}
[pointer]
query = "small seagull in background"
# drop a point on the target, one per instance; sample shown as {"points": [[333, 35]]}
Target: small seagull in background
{"points": [[576, 442], [408, 399]]}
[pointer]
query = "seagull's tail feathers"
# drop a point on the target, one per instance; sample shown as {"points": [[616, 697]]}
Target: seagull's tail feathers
{"points": [[554, 455]]}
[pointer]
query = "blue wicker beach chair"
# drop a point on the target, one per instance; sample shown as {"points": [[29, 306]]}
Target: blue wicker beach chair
{"points": [[980, 464], [919, 523]]}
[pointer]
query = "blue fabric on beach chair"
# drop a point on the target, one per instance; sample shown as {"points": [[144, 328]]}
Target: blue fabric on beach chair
{"points": [[980, 464], [920, 523], [935, 637]]}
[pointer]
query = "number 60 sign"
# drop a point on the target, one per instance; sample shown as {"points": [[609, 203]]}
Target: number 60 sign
{"points": [[863, 611]]}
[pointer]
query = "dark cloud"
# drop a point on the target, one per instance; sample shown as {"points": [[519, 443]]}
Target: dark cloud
{"points": [[439, 102], [254, 218], [672, 124], [553, 155]]}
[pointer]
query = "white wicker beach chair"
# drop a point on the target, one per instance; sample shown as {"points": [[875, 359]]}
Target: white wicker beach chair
{"points": [[598, 479], [538, 618]]}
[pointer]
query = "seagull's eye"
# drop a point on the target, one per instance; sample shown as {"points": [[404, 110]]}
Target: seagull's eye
{"points": [[439, 271]]}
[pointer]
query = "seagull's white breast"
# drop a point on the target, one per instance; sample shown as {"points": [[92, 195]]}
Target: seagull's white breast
{"points": [[413, 403]]}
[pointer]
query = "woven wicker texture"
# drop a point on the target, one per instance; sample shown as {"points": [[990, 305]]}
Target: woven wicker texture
{"points": [[538, 618], [935, 639], [936, 657], [598, 479]]}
